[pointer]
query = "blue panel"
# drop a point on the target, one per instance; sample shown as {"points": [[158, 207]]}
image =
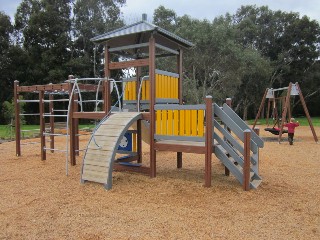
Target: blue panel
{"points": [[126, 142]]}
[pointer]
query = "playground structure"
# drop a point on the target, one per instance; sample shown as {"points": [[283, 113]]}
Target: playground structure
{"points": [[292, 90], [150, 108]]}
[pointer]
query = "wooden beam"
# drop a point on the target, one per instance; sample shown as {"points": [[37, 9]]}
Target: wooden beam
{"points": [[42, 126], [179, 70], [89, 115], [129, 64], [48, 87], [17, 118], [180, 148], [209, 141], [260, 108], [152, 78], [284, 112], [51, 108], [307, 113]]}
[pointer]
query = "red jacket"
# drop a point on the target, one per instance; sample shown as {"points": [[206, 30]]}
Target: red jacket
{"points": [[291, 126]]}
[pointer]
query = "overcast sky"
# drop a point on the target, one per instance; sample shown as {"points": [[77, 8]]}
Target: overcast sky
{"points": [[199, 9]]}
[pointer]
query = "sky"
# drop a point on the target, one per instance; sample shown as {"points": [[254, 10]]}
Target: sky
{"points": [[199, 9]]}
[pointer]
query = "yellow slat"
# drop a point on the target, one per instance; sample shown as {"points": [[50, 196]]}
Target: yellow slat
{"points": [[175, 122], [181, 123], [134, 90], [158, 122], [170, 122], [200, 123], [164, 121], [194, 122], [188, 122]]}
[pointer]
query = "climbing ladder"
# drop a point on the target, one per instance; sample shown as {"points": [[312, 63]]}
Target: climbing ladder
{"points": [[102, 147]]}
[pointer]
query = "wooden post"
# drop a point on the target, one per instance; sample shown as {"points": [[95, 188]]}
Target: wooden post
{"points": [[284, 112], [17, 118], [307, 113], [226, 170], [42, 125], [179, 69], [139, 141], [260, 108], [246, 158], [51, 111], [152, 74], [208, 143]]}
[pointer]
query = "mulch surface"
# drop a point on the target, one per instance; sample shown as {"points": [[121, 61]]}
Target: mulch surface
{"points": [[38, 200]]}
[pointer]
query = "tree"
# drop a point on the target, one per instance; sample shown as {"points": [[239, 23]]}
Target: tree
{"points": [[92, 18], [44, 29]]}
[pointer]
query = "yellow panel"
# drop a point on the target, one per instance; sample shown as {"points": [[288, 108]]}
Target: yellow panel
{"points": [[176, 122], [177, 88], [194, 122], [157, 86], [158, 122], [172, 87], [170, 122], [164, 121], [188, 122], [200, 123], [134, 90], [166, 87], [129, 90], [147, 90], [181, 123], [163, 86], [172, 82]]}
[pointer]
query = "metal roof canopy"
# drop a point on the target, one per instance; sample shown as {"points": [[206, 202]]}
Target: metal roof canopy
{"points": [[129, 37]]}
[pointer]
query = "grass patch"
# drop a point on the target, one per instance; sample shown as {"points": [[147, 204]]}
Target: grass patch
{"points": [[7, 132], [302, 120]]}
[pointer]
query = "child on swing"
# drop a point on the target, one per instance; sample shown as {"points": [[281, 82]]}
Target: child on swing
{"points": [[291, 126]]}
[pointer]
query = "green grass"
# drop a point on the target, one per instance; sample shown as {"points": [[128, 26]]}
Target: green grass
{"points": [[302, 120], [7, 132]]}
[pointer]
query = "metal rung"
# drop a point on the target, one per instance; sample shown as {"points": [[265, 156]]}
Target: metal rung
{"points": [[30, 143], [81, 150], [57, 100], [84, 101], [54, 149], [28, 101], [55, 134], [54, 115], [29, 114], [60, 110]]}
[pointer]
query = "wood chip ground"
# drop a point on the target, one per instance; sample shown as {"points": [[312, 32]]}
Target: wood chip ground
{"points": [[38, 200]]}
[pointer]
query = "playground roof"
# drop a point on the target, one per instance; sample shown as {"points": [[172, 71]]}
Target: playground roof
{"points": [[141, 32]]}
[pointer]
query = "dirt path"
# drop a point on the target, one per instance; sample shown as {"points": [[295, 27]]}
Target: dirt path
{"points": [[38, 201]]}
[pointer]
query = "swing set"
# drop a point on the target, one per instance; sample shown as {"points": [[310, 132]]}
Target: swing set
{"points": [[275, 99]]}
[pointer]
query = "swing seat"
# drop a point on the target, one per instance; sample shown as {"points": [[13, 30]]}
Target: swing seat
{"points": [[275, 131]]}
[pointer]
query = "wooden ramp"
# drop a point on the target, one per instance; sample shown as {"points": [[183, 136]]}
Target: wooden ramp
{"points": [[97, 164]]}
